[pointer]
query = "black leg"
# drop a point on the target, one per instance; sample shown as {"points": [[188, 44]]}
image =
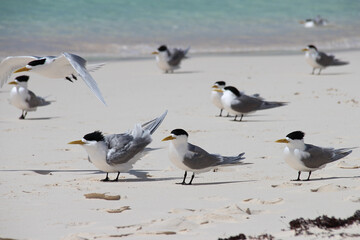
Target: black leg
{"points": [[192, 177], [183, 182], [298, 179], [319, 71], [106, 179], [74, 77], [308, 176], [241, 117], [69, 79], [22, 115], [220, 115], [235, 117], [228, 115], [117, 178]]}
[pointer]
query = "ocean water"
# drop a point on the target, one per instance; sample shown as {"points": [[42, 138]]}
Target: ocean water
{"points": [[134, 28]]}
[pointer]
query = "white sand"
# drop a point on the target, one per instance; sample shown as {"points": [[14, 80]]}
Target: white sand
{"points": [[252, 199]]}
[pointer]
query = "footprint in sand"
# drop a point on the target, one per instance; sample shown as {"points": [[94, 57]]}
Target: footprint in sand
{"points": [[264, 202], [329, 188]]}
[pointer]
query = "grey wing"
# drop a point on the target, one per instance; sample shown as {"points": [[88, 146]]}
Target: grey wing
{"points": [[123, 147], [35, 101], [324, 60], [245, 104], [176, 56], [12, 63], [320, 156], [200, 159], [79, 64]]}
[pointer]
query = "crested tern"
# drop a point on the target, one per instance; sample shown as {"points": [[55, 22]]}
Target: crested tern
{"points": [[216, 95], [169, 59], [306, 157], [189, 157], [118, 152], [241, 104], [24, 99], [316, 22], [66, 65], [320, 60]]}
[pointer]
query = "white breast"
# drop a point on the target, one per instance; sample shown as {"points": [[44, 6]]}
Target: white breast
{"points": [[216, 99], [18, 96], [293, 159]]}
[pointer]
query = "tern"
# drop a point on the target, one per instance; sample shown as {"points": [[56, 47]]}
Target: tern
{"points": [[169, 59], [306, 157], [320, 60], [316, 22], [24, 99], [66, 65], [241, 104], [216, 95], [189, 157], [119, 152]]}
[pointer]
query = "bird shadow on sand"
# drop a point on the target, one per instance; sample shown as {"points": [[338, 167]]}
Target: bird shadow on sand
{"points": [[329, 178], [40, 118], [224, 182], [186, 72], [331, 74], [46, 172]]}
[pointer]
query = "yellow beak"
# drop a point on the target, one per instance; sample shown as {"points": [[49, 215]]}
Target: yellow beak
{"points": [[168, 138], [215, 86], [77, 142], [13, 83], [305, 50], [24, 69], [282, 141], [155, 53], [218, 90]]}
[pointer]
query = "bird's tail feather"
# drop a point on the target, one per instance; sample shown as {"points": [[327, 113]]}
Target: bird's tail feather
{"points": [[43, 102], [155, 123], [233, 160], [341, 153], [337, 62], [267, 105]]}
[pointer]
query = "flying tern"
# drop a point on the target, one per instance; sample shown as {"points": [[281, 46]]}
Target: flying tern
{"points": [[316, 22], [320, 60], [169, 59], [118, 152], [189, 157], [24, 99], [66, 65], [306, 157], [241, 104]]}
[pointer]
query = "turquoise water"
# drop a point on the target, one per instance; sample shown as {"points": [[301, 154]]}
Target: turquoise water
{"points": [[134, 28]]}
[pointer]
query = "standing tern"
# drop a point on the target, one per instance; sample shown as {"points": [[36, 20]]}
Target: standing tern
{"points": [[169, 59], [24, 99], [241, 104], [189, 157], [216, 95], [306, 157], [321, 60], [66, 65], [118, 152]]}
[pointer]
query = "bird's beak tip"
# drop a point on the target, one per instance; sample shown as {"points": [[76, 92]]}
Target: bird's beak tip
{"points": [[154, 53], [282, 141], [218, 90], [13, 83], [24, 69], [305, 49]]}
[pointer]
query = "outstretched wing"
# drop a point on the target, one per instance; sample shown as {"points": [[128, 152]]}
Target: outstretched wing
{"points": [[198, 158], [12, 63], [79, 64]]}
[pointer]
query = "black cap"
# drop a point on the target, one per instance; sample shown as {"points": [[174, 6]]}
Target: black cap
{"points": [[233, 90], [22, 78], [179, 132], [94, 136], [297, 135]]}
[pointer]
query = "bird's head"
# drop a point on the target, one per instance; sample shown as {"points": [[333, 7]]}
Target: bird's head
{"points": [[31, 65], [162, 49], [232, 91], [20, 80], [310, 48], [90, 139], [219, 84], [294, 139], [177, 135]]}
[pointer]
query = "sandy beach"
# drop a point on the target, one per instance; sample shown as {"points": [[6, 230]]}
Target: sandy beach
{"points": [[44, 180]]}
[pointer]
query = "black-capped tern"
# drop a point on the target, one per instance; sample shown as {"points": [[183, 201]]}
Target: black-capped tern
{"points": [[169, 59]]}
